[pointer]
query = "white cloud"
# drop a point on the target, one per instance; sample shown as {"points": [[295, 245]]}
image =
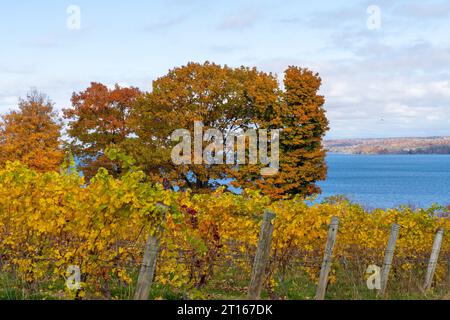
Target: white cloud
{"points": [[425, 10], [239, 21]]}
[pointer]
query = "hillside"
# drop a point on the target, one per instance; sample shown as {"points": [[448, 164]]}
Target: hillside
{"points": [[429, 145]]}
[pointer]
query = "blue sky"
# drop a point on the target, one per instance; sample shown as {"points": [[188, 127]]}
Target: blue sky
{"points": [[392, 81]]}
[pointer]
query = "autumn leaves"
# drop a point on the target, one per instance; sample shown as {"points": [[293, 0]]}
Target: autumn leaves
{"points": [[32, 134], [228, 100]]}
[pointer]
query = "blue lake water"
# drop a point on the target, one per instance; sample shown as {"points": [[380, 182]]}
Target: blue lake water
{"points": [[389, 180], [386, 181]]}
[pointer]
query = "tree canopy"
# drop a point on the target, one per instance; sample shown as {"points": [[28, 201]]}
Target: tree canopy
{"points": [[222, 109], [98, 120], [224, 98], [31, 135], [233, 100]]}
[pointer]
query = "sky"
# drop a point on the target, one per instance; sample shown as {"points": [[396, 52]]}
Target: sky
{"points": [[385, 65]]}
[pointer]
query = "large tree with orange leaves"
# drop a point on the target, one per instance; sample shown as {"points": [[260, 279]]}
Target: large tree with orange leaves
{"points": [[32, 134], [221, 97], [98, 120], [234, 100], [303, 127]]}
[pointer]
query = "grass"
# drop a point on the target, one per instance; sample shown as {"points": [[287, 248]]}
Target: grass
{"points": [[12, 288], [229, 284]]}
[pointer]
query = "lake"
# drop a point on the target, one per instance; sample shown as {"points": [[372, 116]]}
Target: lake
{"points": [[386, 181], [389, 180]]}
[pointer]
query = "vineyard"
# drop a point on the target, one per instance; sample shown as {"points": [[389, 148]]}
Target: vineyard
{"points": [[50, 221]]}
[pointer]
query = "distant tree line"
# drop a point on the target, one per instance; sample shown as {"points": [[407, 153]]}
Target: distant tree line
{"points": [[434, 149], [437, 149]]}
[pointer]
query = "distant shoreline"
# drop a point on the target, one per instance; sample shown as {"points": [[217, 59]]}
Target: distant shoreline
{"points": [[393, 146], [386, 154]]}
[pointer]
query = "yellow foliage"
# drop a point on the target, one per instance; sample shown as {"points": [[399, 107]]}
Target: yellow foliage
{"points": [[49, 221]]}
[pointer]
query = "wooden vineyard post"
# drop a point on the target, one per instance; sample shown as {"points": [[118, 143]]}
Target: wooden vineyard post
{"points": [[388, 257], [262, 256], [433, 259], [148, 267], [327, 259]]}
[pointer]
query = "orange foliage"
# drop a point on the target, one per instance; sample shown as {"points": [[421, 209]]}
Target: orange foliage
{"points": [[233, 100], [97, 120], [31, 135]]}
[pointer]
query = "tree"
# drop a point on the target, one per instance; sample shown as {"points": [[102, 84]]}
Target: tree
{"points": [[230, 100], [32, 134], [98, 120], [302, 121], [223, 98], [304, 127]]}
